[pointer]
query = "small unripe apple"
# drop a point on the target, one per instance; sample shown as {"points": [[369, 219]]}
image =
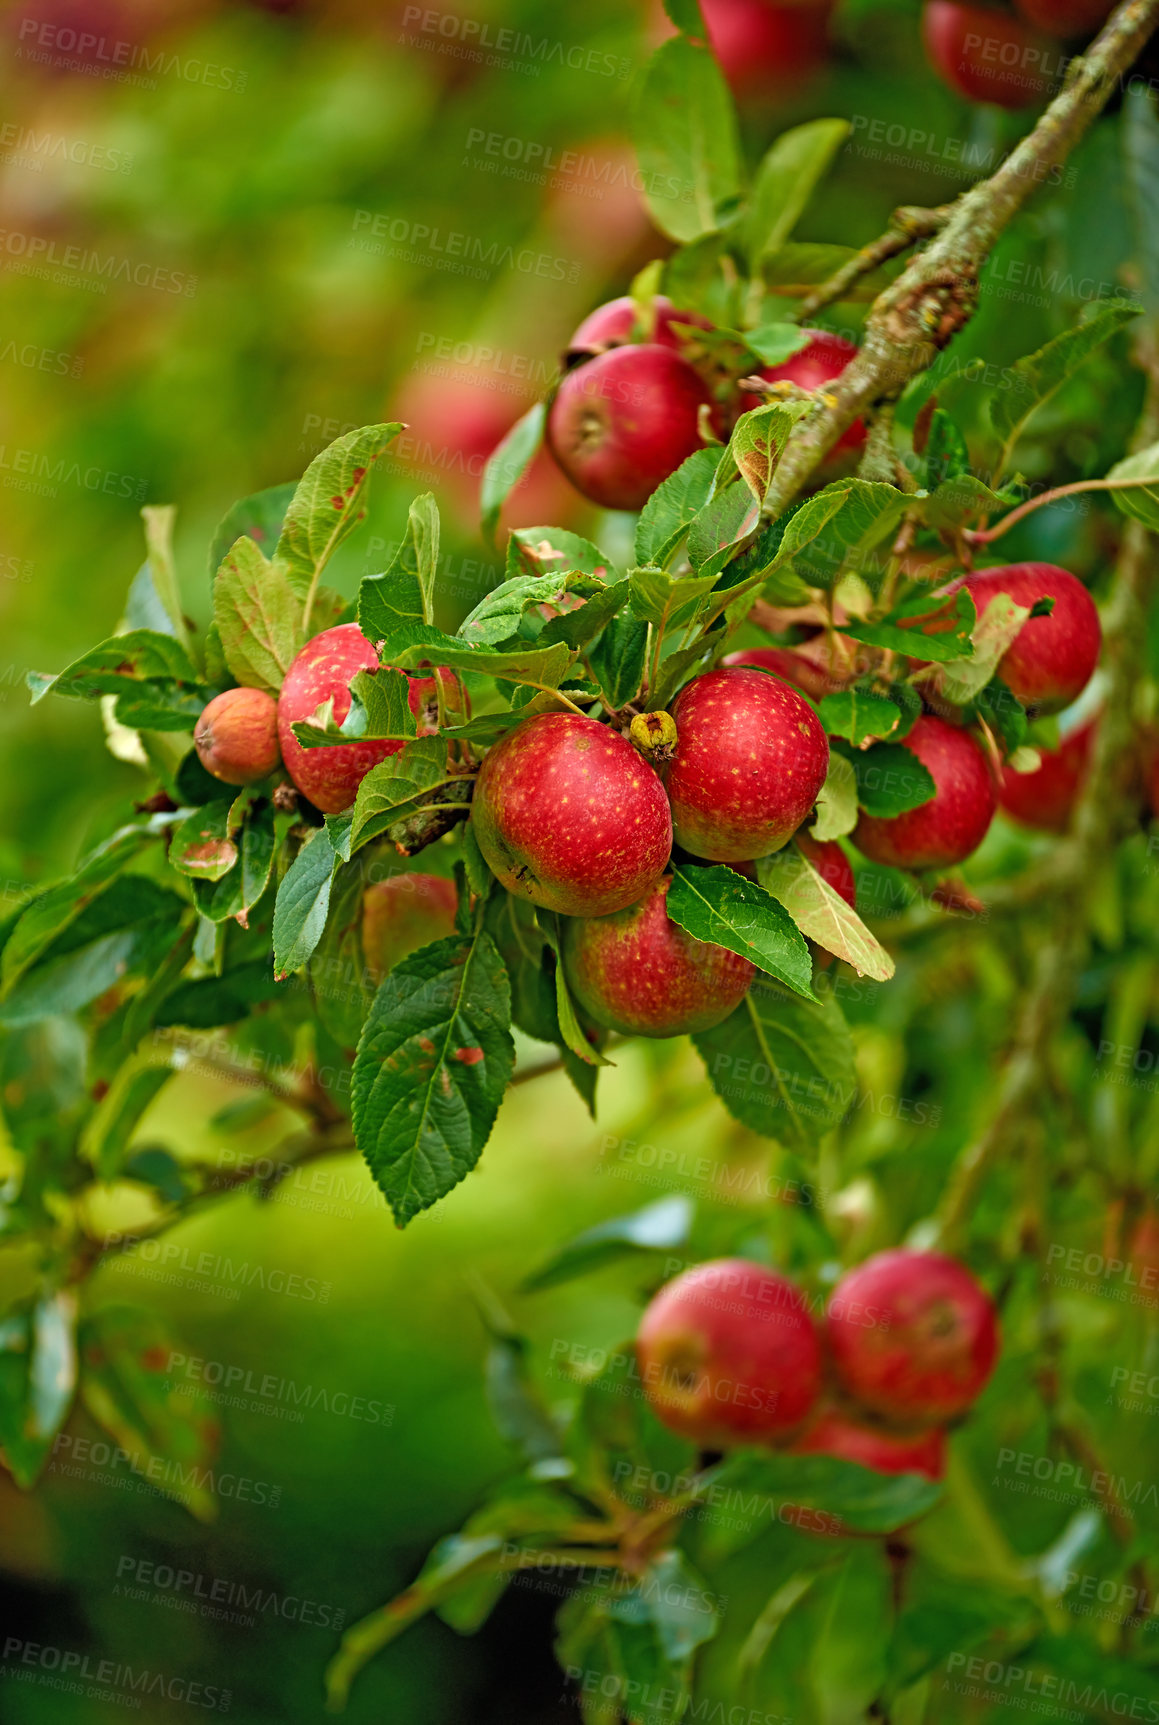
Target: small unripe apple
{"points": [[813, 367], [330, 776], [912, 1336], [236, 737], [1065, 18], [751, 756], [728, 1353], [402, 913], [618, 323], [986, 56], [834, 1433], [1052, 658], [1046, 797], [623, 421], [568, 815], [640, 973], [951, 826]]}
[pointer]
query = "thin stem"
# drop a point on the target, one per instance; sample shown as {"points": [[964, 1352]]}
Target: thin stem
{"points": [[907, 226], [985, 535]]}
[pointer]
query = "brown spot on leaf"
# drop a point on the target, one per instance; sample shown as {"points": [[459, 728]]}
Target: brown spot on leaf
{"points": [[469, 1056]]}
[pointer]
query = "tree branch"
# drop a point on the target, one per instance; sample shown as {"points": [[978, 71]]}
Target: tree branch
{"points": [[937, 293]]}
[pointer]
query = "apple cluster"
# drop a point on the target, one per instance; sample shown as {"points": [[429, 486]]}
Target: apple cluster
{"points": [[730, 1353]]}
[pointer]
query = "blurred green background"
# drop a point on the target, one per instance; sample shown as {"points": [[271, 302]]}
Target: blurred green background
{"points": [[278, 223]]}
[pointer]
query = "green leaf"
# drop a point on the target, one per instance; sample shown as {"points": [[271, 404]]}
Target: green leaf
{"points": [[672, 507], [419, 774], [947, 455], [203, 846], [37, 1381], [507, 464], [677, 667], [342, 985], [782, 1066], [236, 892], [668, 601], [662, 1226], [433, 1062], [855, 714], [570, 1028], [214, 1000], [774, 343], [617, 658], [260, 517], [1004, 713], [544, 667], [52, 911], [577, 629], [822, 914], [142, 658], [404, 593], [995, 631], [836, 801], [497, 616], [380, 710], [1141, 499], [959, 500], [166, 1428], [788, 175], [938, 647], [106, 1134], [161, 568], [758, 442], [1039, 375], [258, 616], [716, 905], [685, 132], [548, 550], [865, 1501], [890, 778], [328, 504], [849, 518], [302, 903]]}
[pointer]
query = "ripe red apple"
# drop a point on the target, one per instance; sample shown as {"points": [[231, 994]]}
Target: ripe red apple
{"points": [[763, 47], [1046, 797], [831, 864], [833, 1433], [402, 913], [1065, 18], [623, 421], [236, 736], [618, 323], [811, 368], [568, 815], [987, 56], [638, 972], [330, 776], [912, 1336], [750, 758], [728, 1353], [1052, 658], [952, 825]]}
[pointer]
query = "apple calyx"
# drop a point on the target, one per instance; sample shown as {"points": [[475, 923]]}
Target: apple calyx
{"points": [[654, 735]]}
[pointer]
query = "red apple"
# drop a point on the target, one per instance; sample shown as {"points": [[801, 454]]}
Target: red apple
{"points": [[1065, 18], [618, 323], [623, 421], [330, 776], [728, 1353], [951, 826], [988, 56], [402, 913], [807, 667], [236, 737], [912, 1336], [813, 367], [1046, 797], [568, 815], [833, 1433], [640, 973], [831, 864], [1052, 658], [764, 47], [751, 756]]}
